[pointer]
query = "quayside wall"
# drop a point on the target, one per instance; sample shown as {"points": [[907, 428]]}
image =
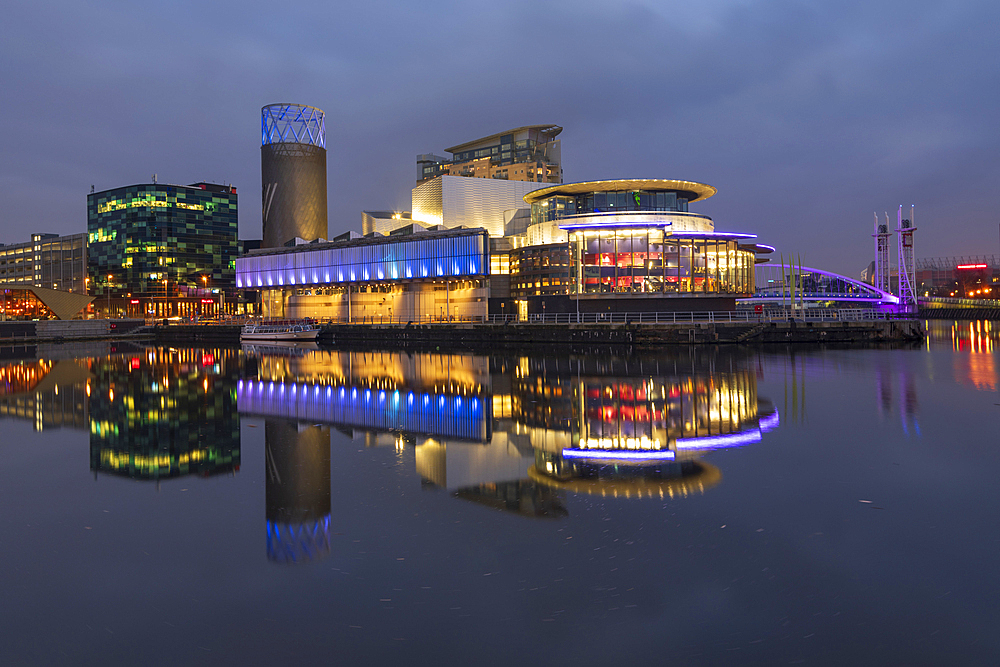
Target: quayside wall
{"points": [[519, 335], [959, 313], [481, 335], [55, 330]]}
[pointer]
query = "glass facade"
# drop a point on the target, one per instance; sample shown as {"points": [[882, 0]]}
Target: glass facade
{"points": [[370, 261], [538, 270], [633, 237], [652, 260], [162, 240], [22, 304], [561, 206]]}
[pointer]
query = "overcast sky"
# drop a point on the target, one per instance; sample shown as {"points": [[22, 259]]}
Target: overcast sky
{"points": [[807, 116]]}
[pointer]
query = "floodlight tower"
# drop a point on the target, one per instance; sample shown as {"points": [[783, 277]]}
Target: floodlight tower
{"points": [[292, 173], [907, 267], [882, 266]]}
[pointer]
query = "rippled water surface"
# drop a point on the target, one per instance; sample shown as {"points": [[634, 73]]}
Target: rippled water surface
{"points": [[703, 506]]}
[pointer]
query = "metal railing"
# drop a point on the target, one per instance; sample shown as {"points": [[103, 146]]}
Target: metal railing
{"points": [[932, 301], [685, 317]]}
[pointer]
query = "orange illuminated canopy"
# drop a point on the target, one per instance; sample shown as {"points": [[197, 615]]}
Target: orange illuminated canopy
{"points": [[692, 190]]}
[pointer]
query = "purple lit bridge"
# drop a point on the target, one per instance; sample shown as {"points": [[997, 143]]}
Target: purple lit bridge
{"points": [[774, 285]]}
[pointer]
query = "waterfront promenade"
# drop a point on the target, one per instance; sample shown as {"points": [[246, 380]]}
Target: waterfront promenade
{"points": [[642, 329]]}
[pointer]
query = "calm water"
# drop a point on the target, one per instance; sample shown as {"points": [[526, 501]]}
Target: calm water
{"points": [[701, 506]]}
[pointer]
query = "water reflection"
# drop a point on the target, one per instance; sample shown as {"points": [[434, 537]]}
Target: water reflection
{"points": [[50, 393], [977, 338], [515, 433], [297, 457], [519, 433], [151, 414], [163, 413]]}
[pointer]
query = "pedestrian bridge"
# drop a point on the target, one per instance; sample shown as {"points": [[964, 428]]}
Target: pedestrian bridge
{"points": [[774, 286]]}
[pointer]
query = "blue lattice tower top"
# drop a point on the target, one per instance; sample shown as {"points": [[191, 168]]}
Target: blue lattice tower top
{"points": [[292, 123]]}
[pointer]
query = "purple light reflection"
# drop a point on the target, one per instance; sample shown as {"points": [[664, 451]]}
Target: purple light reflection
{"points": [[658, 455], [720, 441], [770, 422]]}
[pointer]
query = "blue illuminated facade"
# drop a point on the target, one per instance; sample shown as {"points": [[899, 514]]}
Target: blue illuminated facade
{"points": [[426, 276], [445, 255]]}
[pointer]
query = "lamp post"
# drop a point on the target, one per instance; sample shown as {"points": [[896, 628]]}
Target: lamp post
{"points": [[109, 296], [204, 280]]}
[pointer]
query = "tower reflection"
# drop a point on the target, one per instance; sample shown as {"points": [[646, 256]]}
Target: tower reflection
{"points": [[297, 458]]}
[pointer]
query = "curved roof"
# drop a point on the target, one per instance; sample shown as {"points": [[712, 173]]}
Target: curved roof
{"points": [[694, 191]]}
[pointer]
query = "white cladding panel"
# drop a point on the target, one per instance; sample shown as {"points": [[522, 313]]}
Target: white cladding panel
{"points": [[473, 202]]}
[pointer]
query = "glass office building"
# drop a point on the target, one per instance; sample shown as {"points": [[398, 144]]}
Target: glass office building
{"points": [[162, 250]]}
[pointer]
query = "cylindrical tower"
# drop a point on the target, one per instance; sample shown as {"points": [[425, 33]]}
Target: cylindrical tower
{"points": [[292, 173]]}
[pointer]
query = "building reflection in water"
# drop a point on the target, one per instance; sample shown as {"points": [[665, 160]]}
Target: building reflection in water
{"points": [[152, 413], [519, 433], [51, 393], [636, 428], [161, 413]]}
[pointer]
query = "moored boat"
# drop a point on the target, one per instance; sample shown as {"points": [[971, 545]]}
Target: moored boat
{"points": [[279, 331]]}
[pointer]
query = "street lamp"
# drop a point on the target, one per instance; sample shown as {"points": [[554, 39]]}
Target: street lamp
{"points": [[109, 296]]}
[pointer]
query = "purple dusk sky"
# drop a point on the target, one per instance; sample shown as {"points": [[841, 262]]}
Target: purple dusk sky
{"points": [[807, 116]]}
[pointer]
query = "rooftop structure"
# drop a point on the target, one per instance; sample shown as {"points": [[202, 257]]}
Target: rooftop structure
{"points": [[529, 153], [685, 192], [385, 222]]}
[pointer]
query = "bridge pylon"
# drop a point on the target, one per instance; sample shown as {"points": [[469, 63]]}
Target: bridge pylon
{"points": [[883, 265], [907, 265]]}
